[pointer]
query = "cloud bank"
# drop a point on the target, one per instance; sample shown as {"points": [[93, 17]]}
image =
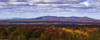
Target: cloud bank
{"points": [[21, 6]]}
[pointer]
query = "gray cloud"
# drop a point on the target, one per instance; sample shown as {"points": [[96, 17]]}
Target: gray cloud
{"points": [[4, 0], [32, 2], [50, 5]]}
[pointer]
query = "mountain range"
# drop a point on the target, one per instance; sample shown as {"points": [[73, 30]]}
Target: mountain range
{"points": [[73, 18]]}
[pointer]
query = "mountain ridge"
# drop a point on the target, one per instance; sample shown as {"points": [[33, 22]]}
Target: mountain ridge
{"points": [[72, 18]]}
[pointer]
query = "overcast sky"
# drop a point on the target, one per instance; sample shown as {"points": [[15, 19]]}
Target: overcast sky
{"points": [[37, 8]]}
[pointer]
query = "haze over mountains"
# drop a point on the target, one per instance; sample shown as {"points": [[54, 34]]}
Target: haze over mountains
{"points": [[73, 18]]}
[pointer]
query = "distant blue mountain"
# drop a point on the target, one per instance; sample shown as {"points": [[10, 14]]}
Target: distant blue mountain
{"points": [[14, 19], [73, 18]]}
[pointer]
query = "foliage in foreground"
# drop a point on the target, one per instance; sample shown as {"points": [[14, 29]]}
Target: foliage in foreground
{"points": [[49, 33]]}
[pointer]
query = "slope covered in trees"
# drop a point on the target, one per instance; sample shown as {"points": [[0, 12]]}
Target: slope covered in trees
{"points": [[49, 33]]}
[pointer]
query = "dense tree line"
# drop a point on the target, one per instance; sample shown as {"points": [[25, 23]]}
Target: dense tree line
{"points": [[49, 33]]}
